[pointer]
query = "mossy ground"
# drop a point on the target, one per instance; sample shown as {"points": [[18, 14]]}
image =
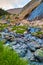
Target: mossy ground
{"points": [[3, 26], [20, 29]]}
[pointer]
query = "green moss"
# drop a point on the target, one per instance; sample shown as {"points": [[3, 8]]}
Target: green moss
{"points": [[40, 32], [37, 33], [20, 29], [3, 26], [40, 52]]}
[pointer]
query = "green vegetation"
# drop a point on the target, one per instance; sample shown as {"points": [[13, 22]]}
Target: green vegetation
{"points": [[20, 29], [3, 26], [2, 12], [0, 17], [37, 33], [9, 57], [40, 32]]}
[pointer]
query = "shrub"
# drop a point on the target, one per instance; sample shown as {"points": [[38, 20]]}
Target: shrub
{"points": [[3, 12]]}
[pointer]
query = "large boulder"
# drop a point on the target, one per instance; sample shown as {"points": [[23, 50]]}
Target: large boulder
{"points": [[39, 55]]}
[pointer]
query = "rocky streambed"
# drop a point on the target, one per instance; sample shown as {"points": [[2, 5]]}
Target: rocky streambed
{"points": [[28, 46]]}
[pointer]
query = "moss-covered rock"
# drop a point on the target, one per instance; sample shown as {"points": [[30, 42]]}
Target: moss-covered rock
{"points": [[39, 55], [38, 34]]}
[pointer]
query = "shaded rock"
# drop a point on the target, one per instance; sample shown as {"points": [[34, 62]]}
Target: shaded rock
{"points": [[17, 35], [20, 50], [33, 46], [6, 30], [32, 58], [39, 55], [40, 36], [40, 41], [9, 38], [28, 54], [23, 53], [13, 43], [32, 29]]}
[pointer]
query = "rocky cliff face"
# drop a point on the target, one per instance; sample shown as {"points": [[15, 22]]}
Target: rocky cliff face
{"points": [[36, 13], [29, 7]]}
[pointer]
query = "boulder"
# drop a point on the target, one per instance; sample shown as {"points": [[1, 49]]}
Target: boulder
{"points": [[9, 38], [33, 46], [32, 29], [39, 55], [29, 54]]}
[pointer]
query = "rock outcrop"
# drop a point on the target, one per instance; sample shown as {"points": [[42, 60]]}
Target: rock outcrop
{"points": [[37, 13], [29, 7]]}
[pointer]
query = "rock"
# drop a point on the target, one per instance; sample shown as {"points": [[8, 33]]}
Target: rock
{"points": [[20, 50], [28, 54], [33, 38], [39, 55], [13, 43], [16, 47], [40, 41], [21, 40], [6, 30], [25, 32], [33, 46], [3, 34], [23, 52], [40, 36], [17, 35], [32, 58], [9, 38], [32, 29]]}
